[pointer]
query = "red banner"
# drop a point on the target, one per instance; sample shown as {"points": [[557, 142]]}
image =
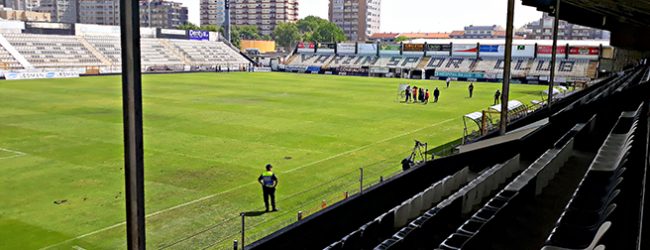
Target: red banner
{"points": [[302, 45], [547, 50], [591, 51]]}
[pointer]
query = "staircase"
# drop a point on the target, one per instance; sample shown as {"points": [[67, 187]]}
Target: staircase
{"points": [[176, 51], [94, 51], [291, 58], [423, 62], [10, 48]]}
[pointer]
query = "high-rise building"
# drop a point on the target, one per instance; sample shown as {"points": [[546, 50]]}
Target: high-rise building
{"points": [[27, 5], [543, 29], [153, 13], [162, 14], [104, 12], [213, 12], [61, 11], [264, 14], [359, 19]]}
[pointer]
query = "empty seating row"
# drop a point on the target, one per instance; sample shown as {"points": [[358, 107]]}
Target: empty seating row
{"points": [[51, 51], [7, 61], [452, 64], [478, 229], [368, 235], [452, 209], [109, 46], [588, 216], [208, 53], [563, 68]]}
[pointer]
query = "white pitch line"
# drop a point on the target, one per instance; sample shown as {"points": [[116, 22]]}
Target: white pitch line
{"points": [[366, 146], [243, 185], [17, 153]]}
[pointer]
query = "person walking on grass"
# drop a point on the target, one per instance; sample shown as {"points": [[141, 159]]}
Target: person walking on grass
{"points": [[471, 89], [426, 97], [421, 93], [448, 81], [269, 182], [415, 94], [407, 92], [497, 95], [436, 94]]}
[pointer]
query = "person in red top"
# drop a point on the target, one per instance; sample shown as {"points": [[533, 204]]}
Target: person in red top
{"points": [[415, 94]]}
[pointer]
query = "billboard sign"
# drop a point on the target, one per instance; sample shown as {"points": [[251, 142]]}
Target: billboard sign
{"points": [[460, 74], [546, 50], [306, 47], [326, 48], [523, 50], [367, 49], [199, 35], [584, 51], [40, 75], [346, 48], [415, 47], [390, 48], [464, 50]]}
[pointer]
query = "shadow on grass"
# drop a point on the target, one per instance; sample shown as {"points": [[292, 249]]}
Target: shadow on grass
{"points": [[254, 213]]}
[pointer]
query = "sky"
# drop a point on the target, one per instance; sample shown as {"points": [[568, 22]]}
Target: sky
{"points": [[421, 15]]}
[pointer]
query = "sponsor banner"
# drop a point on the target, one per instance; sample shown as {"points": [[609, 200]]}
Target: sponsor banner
{"points": [[199, 35], [546, 51], [460, 74], [40, 75], [583, 51], [346, 48], [296, 68], [306, 47], [313, 69], [262, 69], [492, 50], [367, 49], [326, 47], [413, 47], [439, 47], [379, 70], [172, 32], [389, 49], [464, 50], [523, 50]]}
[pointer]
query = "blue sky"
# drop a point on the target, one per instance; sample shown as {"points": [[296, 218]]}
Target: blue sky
{"points": [[422, 15]]}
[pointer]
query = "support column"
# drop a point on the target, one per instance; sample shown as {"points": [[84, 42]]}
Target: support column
{"points": [[551, 83], [505, 90], [132, 112]]}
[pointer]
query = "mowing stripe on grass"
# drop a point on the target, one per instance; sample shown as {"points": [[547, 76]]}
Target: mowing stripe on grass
{"points": [[248, 184]]}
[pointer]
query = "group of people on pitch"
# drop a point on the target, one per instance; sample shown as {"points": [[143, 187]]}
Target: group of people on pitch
{"points": [[420, 95]]}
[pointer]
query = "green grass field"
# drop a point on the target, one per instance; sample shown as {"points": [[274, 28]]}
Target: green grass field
{"points": [[207, 139]]}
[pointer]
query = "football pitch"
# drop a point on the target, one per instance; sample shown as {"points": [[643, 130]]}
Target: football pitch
{"points": [[207, 139]]}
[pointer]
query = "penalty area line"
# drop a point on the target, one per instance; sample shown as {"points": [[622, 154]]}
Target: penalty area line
{"points": [[16, 154]]}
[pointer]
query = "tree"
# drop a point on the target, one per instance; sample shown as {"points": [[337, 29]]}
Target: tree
{"points": [[309, 25], [329, 32], [188, 26], [286, 35], [248, 32], [212, 28], [400, 39]]}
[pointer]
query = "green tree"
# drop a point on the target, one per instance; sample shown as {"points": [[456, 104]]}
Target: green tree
{"points": [[188, 26], [248, 32], [212, 28], [400, 39], [286, 35], [329, 32], [308, 25]]}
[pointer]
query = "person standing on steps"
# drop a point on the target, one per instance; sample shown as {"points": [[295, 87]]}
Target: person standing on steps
{"points": [[269, 182]]}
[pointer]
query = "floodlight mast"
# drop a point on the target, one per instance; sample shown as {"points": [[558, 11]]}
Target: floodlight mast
{"points": [[506, 67]]}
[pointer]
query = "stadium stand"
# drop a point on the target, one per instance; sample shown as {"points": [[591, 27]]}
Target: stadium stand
{"points": [[494, 66], [563, 68], [53, 51], [569, 172], [208, 53], [60, 52]]}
